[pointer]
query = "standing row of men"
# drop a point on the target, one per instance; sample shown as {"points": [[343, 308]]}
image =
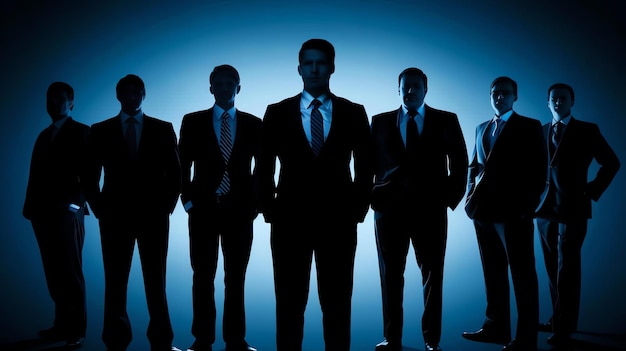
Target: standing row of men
{"points": [[410, 165]]}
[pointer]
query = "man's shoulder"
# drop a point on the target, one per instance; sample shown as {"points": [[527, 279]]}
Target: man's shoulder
{"points": [[438, 112], [149, 120], [344, 102], [286, 102], [248, 116], [385, 115], [106, 123], [524, 119]]}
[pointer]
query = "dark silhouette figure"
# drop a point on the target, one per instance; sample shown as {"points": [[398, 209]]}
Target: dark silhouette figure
{"points": [[220, 143], [55, 205], [141, 185], [566, 204], [420, 165], [316, 205], [507, 174]]}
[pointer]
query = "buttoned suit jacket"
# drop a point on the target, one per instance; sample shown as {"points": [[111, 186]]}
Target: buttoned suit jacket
{"points": [[199, 146], [437, 177], [568, 191], [57, 171], [311, 186], [507, 183], [148, 185]]}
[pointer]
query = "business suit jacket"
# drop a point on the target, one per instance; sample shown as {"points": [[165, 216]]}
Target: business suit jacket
{"points": [[137, 196], [148, 185], [437, 178], [507, 183], [311, 186], [568, 168], [56, 180], [57, 171], [199, 145]]}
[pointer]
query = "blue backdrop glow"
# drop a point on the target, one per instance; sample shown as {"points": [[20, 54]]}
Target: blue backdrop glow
{"points": [[173, 46]]}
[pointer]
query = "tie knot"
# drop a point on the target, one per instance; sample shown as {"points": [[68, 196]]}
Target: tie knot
{"points": [[316, 103], [412, 112], [131, 120], [225, 116]]}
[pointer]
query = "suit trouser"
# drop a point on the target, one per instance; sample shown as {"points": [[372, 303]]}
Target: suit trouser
{"points": [[205, 230], [333, 244], [505, 245], [118, 236], [561, 244], [428, 232], [60, 239]]}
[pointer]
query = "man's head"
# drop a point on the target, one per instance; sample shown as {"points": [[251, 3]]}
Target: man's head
{"points": [[316, 64], [224, 85], [412, 87], [131, 92], [503, 94], [59, 100], [560, 100]]}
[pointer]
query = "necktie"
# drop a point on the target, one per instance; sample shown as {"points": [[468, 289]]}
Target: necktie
{"points": [[131, 137], [412, 134], [226, 148], [495, 132], [317, 127], [557, 133]]}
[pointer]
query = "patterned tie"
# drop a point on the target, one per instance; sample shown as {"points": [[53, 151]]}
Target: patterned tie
{"points": [[131, 137], [226, 148], [557, 133], [317, 127], [412, 134]]}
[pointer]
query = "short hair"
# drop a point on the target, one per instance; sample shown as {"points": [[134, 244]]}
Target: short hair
{"points": [[504, 79], [318, 44], [226, 69], [131, 79], [414, 71], [62, 86], [561, 86]]}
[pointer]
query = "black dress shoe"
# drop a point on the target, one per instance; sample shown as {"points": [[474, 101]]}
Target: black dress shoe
{"points": [[559, 339], [73, 343], [167, 348], [488, 334], [519, 345], [239, 347], [431, 347], [53, 334], [200, 346], [545, 327], [387, 345]]}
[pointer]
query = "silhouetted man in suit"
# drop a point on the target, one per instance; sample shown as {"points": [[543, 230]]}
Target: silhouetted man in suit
{"points": [[220, 143], [566, 204], [316, 205], [420, 165], [141, 185], [55, 205], [507, 174]]}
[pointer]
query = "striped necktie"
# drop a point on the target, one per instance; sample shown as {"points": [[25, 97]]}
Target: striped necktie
{"points": [[317, 127], [226, 148]]}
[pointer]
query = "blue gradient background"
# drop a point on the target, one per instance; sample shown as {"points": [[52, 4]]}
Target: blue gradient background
{"points": [[461, 45]]}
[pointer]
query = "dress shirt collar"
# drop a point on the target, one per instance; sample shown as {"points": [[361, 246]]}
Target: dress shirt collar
{"points": [[138, 117], [505, 117], [565, 120], [421, 110], [307, 99], [218, 112], [59, 123]]}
